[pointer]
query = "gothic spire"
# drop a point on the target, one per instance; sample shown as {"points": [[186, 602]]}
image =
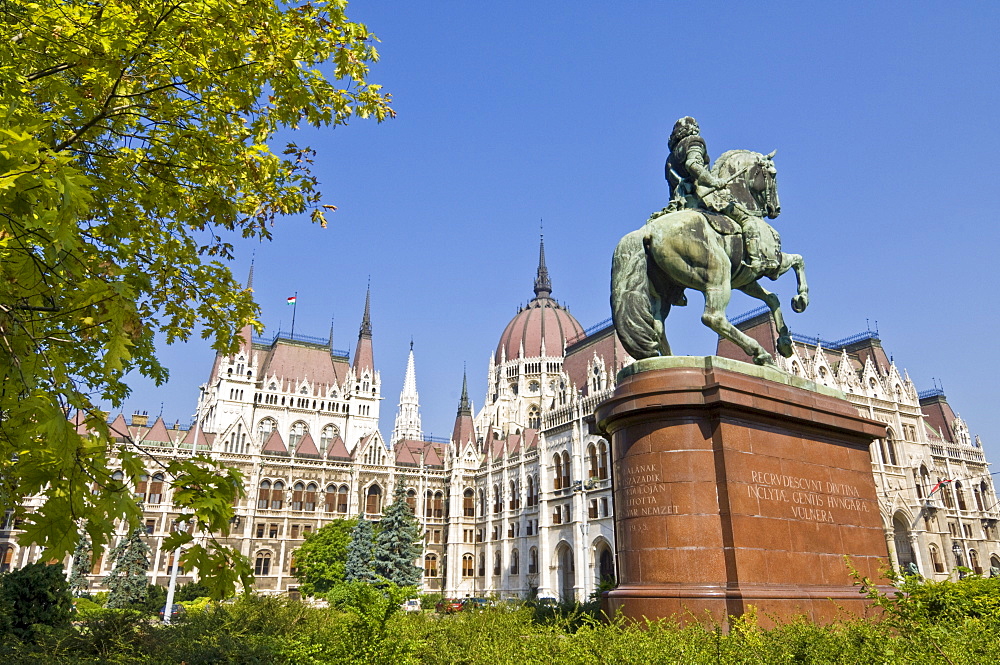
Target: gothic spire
{"points": [[366, 321], [363, 356], [464, 408], [250, 277], [543, 285], [408, 416]]}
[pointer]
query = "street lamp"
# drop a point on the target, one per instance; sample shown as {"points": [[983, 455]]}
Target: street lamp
{"points": [[957, 551]]}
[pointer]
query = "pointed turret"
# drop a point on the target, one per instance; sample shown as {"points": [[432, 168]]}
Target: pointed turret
{"points": [[464, 431], [543, 285], [246, 334], [408, 415], [363, 357]]}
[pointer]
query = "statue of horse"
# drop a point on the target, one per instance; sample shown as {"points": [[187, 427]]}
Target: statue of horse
{"points": [[703, 250]]}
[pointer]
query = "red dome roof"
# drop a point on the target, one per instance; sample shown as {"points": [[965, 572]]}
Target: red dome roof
{"points": [[542, 320]]}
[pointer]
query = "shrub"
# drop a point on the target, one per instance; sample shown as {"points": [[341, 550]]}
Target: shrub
{"points": [[34, 595]]}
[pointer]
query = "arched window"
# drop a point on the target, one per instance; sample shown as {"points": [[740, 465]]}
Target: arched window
{"points": [[974, 562], [428, 503], [467, 565], [534, 417], [602, 460], [330, 499], [411, 500], [277, 495], [156, 489], [264, 429], [326, 438], [373, 504], [295, 435], [264, 494], [592, 461], [310, 498], [960, 495], [606, 566], [533, 561], [297, 491], [531, 491], [482, 502], [497, 499], [949, 499], [557, 472], [140, 488], [566, 480], [975, 493], [916, 483], [936, 559], [431, 565], [512, 501], [497, 563], [469, 503], [342, 499], [262, 565], [514, 563], [438, 504], [482, 564]]}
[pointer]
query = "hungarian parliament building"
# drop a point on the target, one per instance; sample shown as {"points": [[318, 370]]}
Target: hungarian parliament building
{"points": [[517, 502]]}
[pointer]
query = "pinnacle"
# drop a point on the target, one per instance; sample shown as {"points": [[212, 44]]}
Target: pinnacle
{"points": [[543, 285]]}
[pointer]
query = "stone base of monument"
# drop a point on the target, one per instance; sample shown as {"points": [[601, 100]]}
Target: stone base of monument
{"points": [[739, 486]]}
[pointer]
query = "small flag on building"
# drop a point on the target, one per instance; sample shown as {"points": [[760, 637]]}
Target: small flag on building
{"points": [[291, 300]]}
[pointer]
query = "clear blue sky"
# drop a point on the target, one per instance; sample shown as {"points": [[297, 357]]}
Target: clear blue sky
{"points": [[883, 114]]}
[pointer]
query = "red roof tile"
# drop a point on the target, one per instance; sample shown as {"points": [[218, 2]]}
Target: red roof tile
{"points": [[338, 449], [307, 446], [274, 443]]}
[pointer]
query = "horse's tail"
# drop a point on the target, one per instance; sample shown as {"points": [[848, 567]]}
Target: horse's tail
{"points": [[638, 329]]}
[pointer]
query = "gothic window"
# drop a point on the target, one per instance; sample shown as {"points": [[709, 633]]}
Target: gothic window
{"points": [[140, 488], [264, 494], [373, 503], [497, 499], [264, 429], [565, 469], [411, 500], [602, 460], [467, 562], [295, 435], [533, 387], [156, 489], [310, 498], [595, 381], [531, 491], [533, 561], [330, 499], [438, 504], [428, 503], [326, 438], [297, 490], [960, 495], [262, 565], [431, 565], [557, 473], [974, 562], [592, 460], [342, 499], [534, 417], [514, 563], [469, 503], [890, 449], [482, 502], [482, 564], [497, 563], [277, 495]]}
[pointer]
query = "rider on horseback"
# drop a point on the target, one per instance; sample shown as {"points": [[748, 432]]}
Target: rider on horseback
{"points": [[691, 181]]}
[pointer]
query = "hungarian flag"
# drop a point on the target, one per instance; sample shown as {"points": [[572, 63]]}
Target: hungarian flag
{"points": [[938, 486], [291, 300]]}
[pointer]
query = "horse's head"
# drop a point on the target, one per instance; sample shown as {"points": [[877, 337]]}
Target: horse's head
{"points": [[753, 180]]}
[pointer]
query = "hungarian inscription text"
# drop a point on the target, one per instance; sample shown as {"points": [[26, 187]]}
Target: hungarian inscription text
{"points": [[642, 492]]}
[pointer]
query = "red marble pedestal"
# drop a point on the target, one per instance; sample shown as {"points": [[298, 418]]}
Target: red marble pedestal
{"points": [[736, 485]]}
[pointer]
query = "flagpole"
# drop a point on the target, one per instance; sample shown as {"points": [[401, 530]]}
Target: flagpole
{"points": [[295, 304]]}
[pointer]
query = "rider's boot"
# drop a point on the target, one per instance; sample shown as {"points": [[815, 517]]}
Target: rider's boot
{"points": [[753, 258]]}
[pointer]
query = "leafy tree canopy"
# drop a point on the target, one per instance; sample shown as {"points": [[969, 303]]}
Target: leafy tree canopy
{"points": [[35, 594], [322, 559], [135, 148]]}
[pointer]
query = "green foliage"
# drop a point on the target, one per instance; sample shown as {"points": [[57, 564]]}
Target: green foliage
{"points": [[156, 599], [920, 601], [397, 545], [36, 595], [136, 145], [372, 634], [322, 558], [429, 600], [126, 582], [360, 565], [78, 582], [190, 591]]}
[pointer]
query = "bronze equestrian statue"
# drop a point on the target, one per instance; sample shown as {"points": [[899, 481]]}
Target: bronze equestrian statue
{"points": [[712, 237]]}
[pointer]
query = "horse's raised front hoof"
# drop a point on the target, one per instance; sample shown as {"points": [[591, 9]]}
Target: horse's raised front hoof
{"points": [[785, 346], [799, 303], [764, 359]]}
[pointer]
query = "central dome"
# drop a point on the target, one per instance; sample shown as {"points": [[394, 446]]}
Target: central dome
{"points": [[543, 323]]}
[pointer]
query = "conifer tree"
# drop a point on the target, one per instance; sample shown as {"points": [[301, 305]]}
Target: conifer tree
{"points": [[398, 543], [78, 582], [360, 556], [127, 581]]}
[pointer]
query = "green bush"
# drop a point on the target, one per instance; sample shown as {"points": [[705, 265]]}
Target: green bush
{"points": [[36, 595], [429, 600]]}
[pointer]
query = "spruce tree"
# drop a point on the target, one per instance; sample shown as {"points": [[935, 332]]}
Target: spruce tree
{"points": [[360, 557], [397, 546], [127, 581], [78, 582]]}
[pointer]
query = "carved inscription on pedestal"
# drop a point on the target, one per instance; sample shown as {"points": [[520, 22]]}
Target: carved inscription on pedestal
{"points": [[807, 498], [643, 493]]}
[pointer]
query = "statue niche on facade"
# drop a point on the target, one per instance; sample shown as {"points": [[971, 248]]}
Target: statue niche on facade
{"points": [[711, 237]]}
